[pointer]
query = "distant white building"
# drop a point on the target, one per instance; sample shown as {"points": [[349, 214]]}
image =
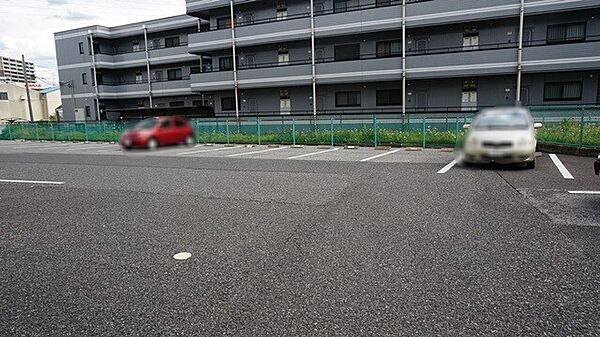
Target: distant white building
{"points": [[13, 102], [12, 70]]}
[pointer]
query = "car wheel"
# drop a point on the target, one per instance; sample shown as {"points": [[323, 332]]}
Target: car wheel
{"points": [[531, 164], [189, 141], [152, 144]]}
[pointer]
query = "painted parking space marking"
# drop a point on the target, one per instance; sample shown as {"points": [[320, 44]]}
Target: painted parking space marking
{"points": [[585, 192], [210, 150], [559, 165], [32, 182], [314, 153], [257, 152], [89, 147], [447, 167], [380, 155]]}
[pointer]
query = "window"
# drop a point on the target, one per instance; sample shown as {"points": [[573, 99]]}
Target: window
{"points": [[571, 32], [389, 48], [84, 78], [226, 63], [248, 18], [81, 48], [282, 14], [224, 22], [195, 70], [174, 74], [179, 123], [156, 44], [158, 75], [140, 103], [347, 52], [347, 98], [285, 103], [227, 103], [382, 3], [88, 111], [389, 97], [344, 5], [3, 96], [562, 91], [136, 45], [99, 78], [165, 124], [250, 61], [176, 104], [283, 57], [471, 37], [469, 93], [139, 78], [319, 7], [171, 42]]}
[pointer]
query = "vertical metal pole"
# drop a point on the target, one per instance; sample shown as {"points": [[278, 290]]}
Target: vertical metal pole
{"points": [[227, 129], [457, 131], [424, 131], [331, 130], [148, 65], [294, 131], [375, 131], [403, 58], [312, 60], [520, 53], [95, 73], [258, 129], [581, 124], [235, 74]]}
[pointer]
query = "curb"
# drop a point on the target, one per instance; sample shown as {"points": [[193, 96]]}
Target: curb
{"points": [[569, 150]]}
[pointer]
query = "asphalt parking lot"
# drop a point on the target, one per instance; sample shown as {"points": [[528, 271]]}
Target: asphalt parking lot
{"points": [[294, 242]]}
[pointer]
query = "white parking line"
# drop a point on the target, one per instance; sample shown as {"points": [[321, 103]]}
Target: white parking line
{"points": [[584, 192], [380, 155], [314, 153], [257, 152], [36, 146], [559, 165], [90, 147], [447, 167], [211, 150], [32, 182]]}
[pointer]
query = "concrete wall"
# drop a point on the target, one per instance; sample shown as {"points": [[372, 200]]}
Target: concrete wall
{"points": [[16, 106]]}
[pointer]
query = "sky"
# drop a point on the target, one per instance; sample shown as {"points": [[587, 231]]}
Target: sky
{"points": [[28, 26]]}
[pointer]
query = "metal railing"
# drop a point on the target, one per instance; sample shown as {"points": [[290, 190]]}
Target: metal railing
{"points": [[567, 125]]}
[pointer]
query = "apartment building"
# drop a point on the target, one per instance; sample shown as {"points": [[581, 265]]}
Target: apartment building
{"points": [[11, 70], [337, 56]]}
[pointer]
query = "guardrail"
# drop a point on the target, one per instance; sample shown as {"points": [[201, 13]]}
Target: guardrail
{"points": [[565, 125]]}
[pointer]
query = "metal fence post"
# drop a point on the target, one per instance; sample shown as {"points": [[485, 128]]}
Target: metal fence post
{"points": [[331, 130], [294, 131], [424, 141], [226, 129], [258, 129], [581, 125], [375, 131], [457, 132]]}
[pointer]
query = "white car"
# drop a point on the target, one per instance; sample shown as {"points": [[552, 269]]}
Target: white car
{"points": [[501, 135]]}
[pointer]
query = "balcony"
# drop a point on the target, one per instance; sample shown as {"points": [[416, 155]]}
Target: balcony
{"points": [[365, 18], [367, 69], [212, 81], [121, 59], [563, 57], [201, 7], [136, 89]]}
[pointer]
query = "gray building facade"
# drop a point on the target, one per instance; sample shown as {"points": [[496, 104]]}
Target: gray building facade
{"points": [[337, 56]]}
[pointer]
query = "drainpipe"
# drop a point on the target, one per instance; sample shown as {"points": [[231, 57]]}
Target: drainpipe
{"points": [[95, 73], [403, 58], [520, 53], [235, 74], [312, 60], [148, 64]]}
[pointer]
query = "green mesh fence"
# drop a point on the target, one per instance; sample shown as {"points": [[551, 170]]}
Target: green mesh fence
{"points": [[569, 125]]}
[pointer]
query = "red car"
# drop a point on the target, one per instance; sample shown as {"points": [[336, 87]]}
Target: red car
{"points": [[159, 131]]}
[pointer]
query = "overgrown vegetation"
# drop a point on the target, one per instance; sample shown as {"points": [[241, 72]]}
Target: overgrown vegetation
{"points": [[565, 132]]}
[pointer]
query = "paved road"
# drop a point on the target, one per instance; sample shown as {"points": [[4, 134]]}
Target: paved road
{"points": [[319, 245]]}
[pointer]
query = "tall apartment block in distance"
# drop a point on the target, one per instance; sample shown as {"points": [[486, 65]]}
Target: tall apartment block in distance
{"points": [[11, 70], [336, 56]]}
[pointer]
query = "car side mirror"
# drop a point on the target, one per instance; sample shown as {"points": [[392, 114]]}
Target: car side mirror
{"points": [[466, 126], [537, 125]]}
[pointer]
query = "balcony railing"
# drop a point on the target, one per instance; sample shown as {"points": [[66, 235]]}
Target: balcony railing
{"points": [[141, 49], [144, 80]]}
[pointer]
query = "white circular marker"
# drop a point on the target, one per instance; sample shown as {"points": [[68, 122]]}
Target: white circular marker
{"points": [[182, 256]]}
